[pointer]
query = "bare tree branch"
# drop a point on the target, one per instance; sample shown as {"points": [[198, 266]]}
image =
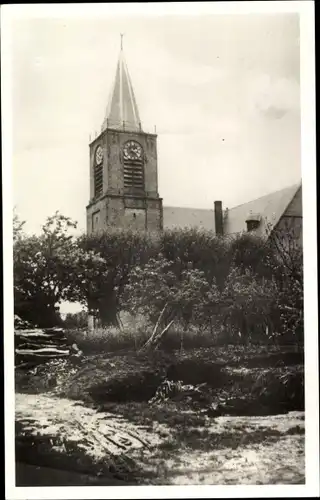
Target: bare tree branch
{"points": [[149, 341]]}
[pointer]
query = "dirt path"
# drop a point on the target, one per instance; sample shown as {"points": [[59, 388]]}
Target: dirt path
{"points": [[229, 450], [97, 433]]}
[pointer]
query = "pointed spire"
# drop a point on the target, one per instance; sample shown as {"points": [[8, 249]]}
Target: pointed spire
{"points": [[122, 111]]}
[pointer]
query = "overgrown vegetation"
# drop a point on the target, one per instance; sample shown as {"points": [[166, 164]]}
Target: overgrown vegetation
{"points": [[203, 317], [251, 380], [240, 289]]}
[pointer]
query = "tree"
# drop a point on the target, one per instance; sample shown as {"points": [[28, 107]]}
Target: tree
{"points": [[247, 302], [17, 227], [76, 320], [120, 251], [253, 253], [198, 249], [49, 269], [287, 267], [156, 291]]}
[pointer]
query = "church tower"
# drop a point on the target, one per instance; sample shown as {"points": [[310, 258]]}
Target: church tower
{"points": [[123, 166]]}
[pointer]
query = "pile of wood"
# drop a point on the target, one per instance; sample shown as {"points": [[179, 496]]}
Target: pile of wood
{"points": [[34, 345]]}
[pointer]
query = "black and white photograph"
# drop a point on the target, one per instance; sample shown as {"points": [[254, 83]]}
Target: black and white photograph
{"points": [[160, 271]]}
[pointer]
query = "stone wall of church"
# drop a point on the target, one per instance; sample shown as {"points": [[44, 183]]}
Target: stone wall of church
{"points": [[151, 166], [115, 208], [114, 164], [134, 219], [102, 141], [115, 143], [154, 215], [124, 212], [96, 216]]}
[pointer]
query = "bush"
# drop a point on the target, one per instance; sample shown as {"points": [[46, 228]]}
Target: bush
{"points": [[246, 303], [75, 321], [121, 250], [240, 287]]}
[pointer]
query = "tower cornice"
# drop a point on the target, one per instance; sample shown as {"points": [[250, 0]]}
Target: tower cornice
{"points": [[119, 131]]}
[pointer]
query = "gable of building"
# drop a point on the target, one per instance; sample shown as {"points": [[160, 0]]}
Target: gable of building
{"points": [[290, 222], [269, 209], [294, 209]]}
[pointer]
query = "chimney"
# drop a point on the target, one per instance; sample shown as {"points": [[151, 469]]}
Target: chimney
{"points": [[218, 218]]}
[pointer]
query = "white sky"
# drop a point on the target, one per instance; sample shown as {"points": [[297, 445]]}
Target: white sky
{"points": [[223, 91]]}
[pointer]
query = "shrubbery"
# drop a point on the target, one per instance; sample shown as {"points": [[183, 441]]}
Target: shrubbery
{"points": [[240, 288]]}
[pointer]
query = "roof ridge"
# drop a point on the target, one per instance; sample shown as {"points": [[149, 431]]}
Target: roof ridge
{"points": [[189, 208], [297, 185]]}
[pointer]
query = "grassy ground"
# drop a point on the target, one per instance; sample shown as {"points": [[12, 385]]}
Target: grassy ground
{"points": [[93, 417]]}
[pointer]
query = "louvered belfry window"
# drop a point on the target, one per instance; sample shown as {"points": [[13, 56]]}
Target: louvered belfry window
{"points": [[133, 175], [133, 167], [98, 178]]}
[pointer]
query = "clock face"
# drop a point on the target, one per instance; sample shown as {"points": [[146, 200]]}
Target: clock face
{"points": [[99, 155], [132, 151]]}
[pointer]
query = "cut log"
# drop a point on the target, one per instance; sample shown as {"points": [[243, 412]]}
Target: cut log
{"points": [[36, 345], [54, 329], [38, 338], [38, 331], [31, 346], [28, 331], [45, 350]]}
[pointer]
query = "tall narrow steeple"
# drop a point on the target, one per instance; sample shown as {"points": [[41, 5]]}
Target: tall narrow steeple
{"points": [[123, 166], [122, 111]]}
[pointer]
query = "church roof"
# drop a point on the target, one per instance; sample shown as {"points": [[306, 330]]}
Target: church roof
{"points": [[179, 217], [270, 207], [122, 111]]}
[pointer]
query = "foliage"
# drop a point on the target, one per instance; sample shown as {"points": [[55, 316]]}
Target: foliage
{"points": [[242, 285], [250, 252], [186, 294], [197, 249], [246, 302], [120, 250], [78, 320], [107, 339], [49, 269], [288, 270], [17, 227], [235, 378]]}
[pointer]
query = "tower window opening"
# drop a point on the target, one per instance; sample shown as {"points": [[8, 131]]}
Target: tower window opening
{"points": [[98, 180], [133, 175]]}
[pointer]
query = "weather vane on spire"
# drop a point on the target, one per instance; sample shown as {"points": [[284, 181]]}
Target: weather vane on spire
{"points": [[121, 42]]}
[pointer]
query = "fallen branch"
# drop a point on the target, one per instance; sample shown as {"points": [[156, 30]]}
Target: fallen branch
{"points": [[119, 322], [150, 340], [157, 340]]}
